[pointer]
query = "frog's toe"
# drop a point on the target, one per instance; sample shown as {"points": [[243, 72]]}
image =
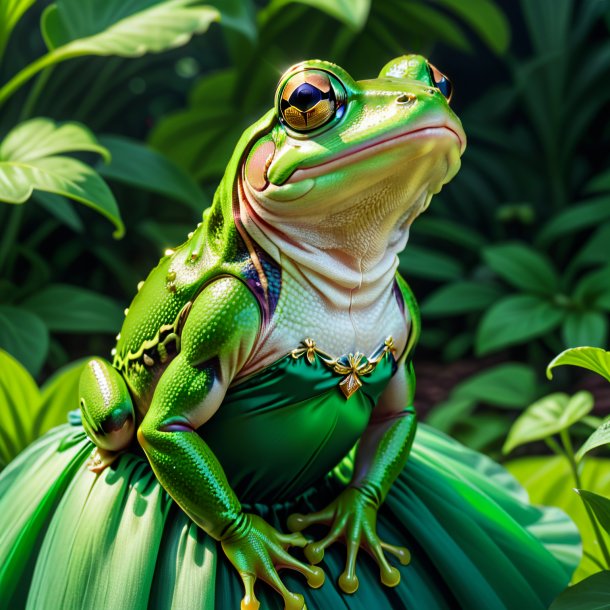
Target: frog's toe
{"points": [[100, 459], [249, 601]]}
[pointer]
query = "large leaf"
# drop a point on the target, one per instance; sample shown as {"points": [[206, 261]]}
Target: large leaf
{"points": [[65, 308], [353, 13], [592, 358], [24, 336], [549, 481], [459, 298], [600, 437], [40, 138], [522, 267], [127, 29], [548, 416], [59, 396], [19, 398], [485, 18], [600, 506], [515, 319], [135, 164], [505, 385], [30, 160], [592, 593]]}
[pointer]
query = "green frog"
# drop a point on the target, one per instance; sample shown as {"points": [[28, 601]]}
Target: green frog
{"points": [[298, 250], [258, 408]]}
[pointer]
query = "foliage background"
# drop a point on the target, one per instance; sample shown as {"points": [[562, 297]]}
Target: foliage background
{"points": [[511, 264]]}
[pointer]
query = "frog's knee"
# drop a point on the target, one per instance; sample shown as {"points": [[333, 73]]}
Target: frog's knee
{"points": [[106, 406]]}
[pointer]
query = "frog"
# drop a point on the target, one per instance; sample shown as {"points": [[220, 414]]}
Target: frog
{"points": [[296, 258]]}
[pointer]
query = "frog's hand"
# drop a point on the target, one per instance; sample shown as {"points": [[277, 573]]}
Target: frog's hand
{"points": [[217, 339], [106, 406]]}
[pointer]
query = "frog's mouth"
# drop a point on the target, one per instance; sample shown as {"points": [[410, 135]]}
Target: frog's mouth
{"points": [[359, 153]]}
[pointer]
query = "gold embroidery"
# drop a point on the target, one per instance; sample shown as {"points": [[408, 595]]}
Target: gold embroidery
{"points": [[352, 366]]}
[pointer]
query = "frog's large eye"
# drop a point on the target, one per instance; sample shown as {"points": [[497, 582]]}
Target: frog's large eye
{"points": [[441, 82], [310, 99]]}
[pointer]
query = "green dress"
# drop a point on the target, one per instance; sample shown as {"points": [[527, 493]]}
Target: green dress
{"points": [[71, 539]]}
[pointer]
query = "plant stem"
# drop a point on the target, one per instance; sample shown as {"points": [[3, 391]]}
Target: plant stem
{"points": [[569, 453], [555, 446]]}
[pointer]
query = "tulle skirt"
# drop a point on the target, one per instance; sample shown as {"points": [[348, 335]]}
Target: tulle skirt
{"points": [[70, 539]]}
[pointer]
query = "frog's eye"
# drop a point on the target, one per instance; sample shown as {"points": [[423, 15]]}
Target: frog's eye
{"points": [[441, 82], [310, 99]]}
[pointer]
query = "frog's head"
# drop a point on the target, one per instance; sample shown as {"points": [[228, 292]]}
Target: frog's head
{"points": [[344, 154]]}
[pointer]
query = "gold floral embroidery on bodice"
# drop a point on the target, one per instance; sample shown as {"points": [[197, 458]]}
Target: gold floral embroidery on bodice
{"points": [[351, 366]]}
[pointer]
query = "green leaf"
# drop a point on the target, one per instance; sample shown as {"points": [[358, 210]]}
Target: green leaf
{"points": [[547, 416], [485, 18], [11, 12], [589, 594], [459, 298], [515, 319], [24, 336], [585, 328], [522, 267], [599, 505], [353, 13], [579, 216], [19, 397], [40, 138], [126, 29], [505, 385], [59, 396], [424, 262], [549, 481], [601, 436], [65, 308], [137, 165], [29, 161], [592, 358]]}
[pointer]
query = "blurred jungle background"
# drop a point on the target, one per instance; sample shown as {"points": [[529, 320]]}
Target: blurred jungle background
{"points": [[116, 122]]}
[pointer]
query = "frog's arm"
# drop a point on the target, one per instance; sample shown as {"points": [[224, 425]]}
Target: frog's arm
{"points": [[382, 454], [217, 338]]}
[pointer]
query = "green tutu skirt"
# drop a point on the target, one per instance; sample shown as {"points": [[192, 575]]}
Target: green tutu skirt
{"points": [[70, 539]]}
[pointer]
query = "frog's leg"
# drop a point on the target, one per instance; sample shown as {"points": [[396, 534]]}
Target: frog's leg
{"points": [[217, 339], [107, 412]]}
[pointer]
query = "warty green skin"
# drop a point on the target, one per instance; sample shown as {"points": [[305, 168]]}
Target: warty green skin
{"points": [[194, 323]]}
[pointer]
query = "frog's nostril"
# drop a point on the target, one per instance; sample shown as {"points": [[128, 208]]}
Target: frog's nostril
{"points": [[406, 98]]}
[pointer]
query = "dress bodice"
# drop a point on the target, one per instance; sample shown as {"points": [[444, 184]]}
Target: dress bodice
{"points": [[285, 427]]}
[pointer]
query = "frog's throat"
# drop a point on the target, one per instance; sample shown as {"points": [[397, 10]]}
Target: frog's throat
{"points": [[334, 255]]}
